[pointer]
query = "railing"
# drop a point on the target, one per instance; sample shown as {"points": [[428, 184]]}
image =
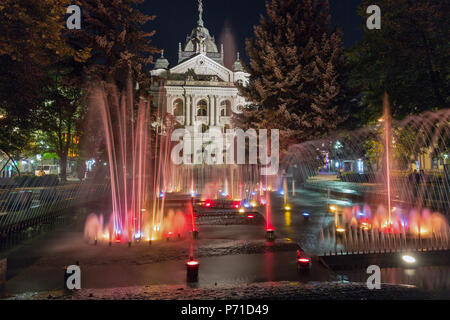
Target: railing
{"points": [[21, 207], [202, 119]]}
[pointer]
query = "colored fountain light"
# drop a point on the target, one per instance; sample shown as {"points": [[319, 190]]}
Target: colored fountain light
{"points": [[208, 203], [250, 216], [409, 259], [270, 234], [236, 204], [305, 214], [287, 207], [192, 263], [333, 208], [241, 210], [192, 267], [253, 203], [302, 261], [340, 230]]}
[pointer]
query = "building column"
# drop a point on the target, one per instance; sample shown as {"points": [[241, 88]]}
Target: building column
{"points": [[168, 106], [187, 111], [191, 103], [216, 107], [211, 111]]}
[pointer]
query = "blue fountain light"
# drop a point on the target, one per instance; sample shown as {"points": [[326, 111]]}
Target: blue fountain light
{"points": [[305, 214], [161, 194]]}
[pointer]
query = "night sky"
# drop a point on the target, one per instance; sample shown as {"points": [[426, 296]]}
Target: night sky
{"points": [[230, 21]]}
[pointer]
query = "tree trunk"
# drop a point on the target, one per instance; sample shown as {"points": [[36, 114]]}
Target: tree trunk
{"points": [[63, 166]]}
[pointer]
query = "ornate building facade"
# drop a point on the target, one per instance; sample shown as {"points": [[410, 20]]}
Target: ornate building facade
{"points": [[200, 92]]}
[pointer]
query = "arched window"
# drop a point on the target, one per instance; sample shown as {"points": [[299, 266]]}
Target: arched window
{"points": [[239, 108], [225, 108], [202, 108], [178, 108], [203, 128]]}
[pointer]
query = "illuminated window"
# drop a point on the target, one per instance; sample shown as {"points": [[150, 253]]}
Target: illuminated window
{"points": [[202, 108], [225, 108], [178, 108]]}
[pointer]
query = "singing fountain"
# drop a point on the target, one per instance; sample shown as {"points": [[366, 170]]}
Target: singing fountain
{"points": [[145, 183], [402, 209]]}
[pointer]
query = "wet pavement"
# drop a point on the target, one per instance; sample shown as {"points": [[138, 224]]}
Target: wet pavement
{"points": [[232, 255]]}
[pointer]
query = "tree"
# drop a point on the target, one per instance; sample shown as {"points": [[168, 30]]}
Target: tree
{"points": [[112, 30], [407, 58], [295, 60], [31, 37], [62, 113]]}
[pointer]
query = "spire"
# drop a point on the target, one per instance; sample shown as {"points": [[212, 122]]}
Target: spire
{"points": [[200, 13], [238, 56], [162, 53]]}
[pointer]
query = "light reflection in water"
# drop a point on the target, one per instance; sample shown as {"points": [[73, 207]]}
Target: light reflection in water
{"points": [[287, 217]]}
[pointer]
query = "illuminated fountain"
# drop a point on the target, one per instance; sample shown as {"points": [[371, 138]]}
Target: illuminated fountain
{"points": [[145, 182], [405, 206], [137, 152], [361, 230]]}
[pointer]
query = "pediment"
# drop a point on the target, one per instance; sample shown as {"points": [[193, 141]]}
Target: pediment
{"points": [[202, 65]]}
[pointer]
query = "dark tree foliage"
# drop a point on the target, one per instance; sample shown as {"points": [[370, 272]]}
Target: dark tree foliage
{"points": [[119, 48], [408, 58], [295, 60], [30, 42]]}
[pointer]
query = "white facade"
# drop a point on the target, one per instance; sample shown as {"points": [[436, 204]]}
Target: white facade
{"points": [[199, 91]]}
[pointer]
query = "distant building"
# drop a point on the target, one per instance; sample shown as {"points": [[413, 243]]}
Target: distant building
{"points": [[200, 92]]}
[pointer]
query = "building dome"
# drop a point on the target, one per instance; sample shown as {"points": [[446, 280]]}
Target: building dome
{"points": [[161, 62], [201, 40]]}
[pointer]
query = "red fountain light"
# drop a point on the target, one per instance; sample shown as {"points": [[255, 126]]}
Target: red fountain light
{"points": [[192, 267], [208, 203], [192, 263]]}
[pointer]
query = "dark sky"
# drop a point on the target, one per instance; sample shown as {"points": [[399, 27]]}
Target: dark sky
{"points": [[230, 21]]}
